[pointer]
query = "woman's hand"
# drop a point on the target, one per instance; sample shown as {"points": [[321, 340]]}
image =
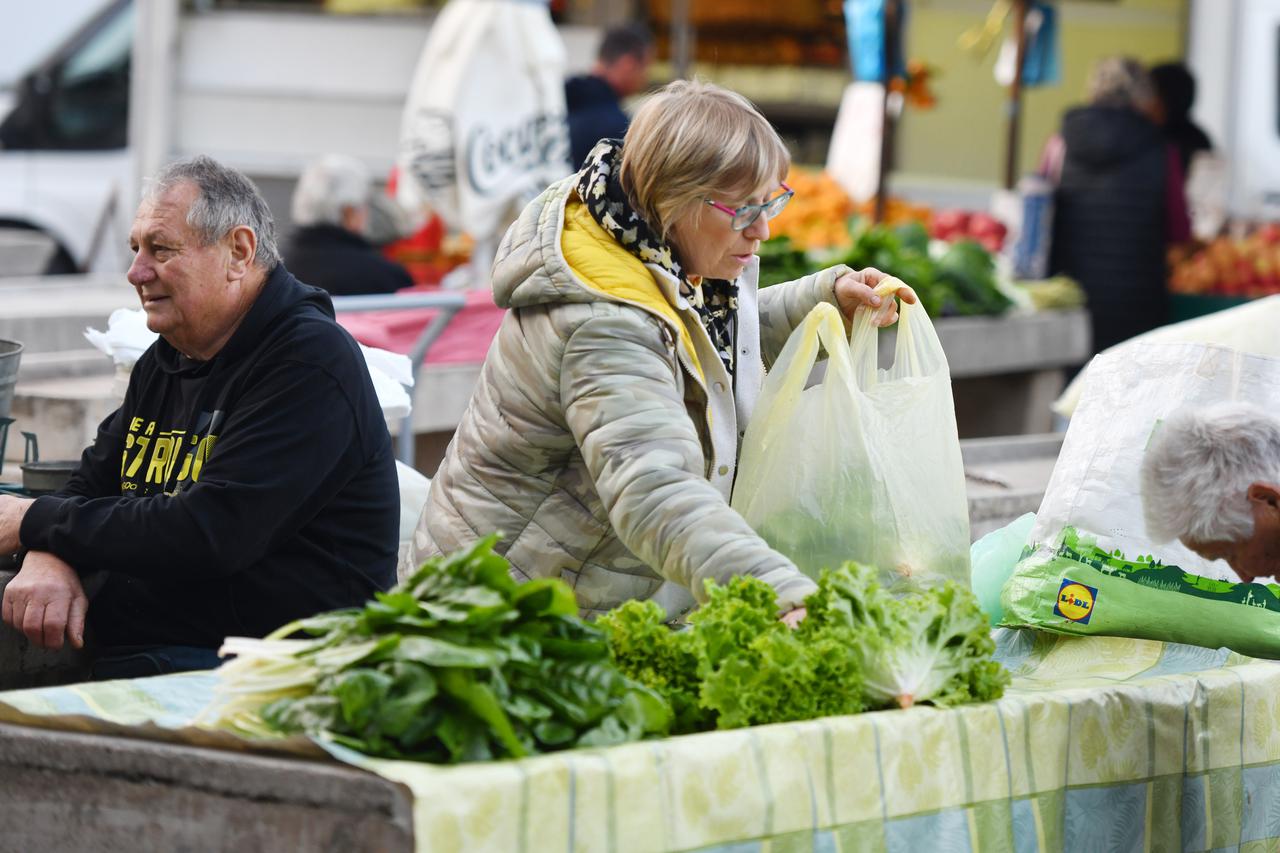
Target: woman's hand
{"points": [[856, 289], [792, 617]]}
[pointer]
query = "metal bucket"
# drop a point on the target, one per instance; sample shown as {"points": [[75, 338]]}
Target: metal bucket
{"points": [[47, 477], [10, 355]]}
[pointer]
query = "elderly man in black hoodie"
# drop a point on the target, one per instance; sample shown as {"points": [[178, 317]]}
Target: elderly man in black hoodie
{"points": [[248, 478]]}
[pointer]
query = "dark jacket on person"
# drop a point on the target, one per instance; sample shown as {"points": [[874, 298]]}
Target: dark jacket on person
{"points": [[231, 496], [595, 113], [342, 262], [1110, 219], [1187, 138]]}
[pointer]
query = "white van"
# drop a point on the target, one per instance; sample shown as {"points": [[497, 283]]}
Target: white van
{"points": [[263, 88], [64, 161]]}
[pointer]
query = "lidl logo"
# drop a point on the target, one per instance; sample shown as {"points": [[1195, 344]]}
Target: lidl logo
{"points": [[1075, 601]]}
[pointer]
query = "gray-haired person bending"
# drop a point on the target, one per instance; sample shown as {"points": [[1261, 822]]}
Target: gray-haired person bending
{"points": [[1211, 479]]}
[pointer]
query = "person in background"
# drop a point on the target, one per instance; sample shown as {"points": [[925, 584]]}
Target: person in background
{"points": [[1211, 479], [603, 434], [1176, 89], [1119, 202], [594, 101], [329, 249], [246, 481]]}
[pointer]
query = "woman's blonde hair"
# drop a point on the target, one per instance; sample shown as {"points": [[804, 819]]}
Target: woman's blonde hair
{"points": [[692, 140]]}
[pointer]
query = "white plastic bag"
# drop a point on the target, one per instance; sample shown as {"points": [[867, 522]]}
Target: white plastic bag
{"points": [[853, 157], [1095, 486], [391, 373], [866, 464], [414, 489], [1249, 328], [1092, 567], [125, 340]]}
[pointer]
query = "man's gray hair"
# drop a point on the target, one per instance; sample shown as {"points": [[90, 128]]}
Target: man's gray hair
{"points": [[1198, 468], [227, 200], [327, 186]]}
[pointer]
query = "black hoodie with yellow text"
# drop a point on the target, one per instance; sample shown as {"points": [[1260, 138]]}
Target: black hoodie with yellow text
{"points": [[231, 496]]}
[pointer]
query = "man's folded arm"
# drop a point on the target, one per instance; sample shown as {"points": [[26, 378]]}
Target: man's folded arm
{"points": [[289, 445]]}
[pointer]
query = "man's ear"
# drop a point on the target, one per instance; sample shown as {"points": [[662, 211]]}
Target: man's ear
{"points": [[1264, 493], [244, 244]]}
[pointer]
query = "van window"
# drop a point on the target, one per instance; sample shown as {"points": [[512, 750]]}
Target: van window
{"points": [[79, 99], [89, 100]]}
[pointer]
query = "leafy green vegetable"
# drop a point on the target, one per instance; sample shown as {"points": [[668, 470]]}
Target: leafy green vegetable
{"points": [[969, 273], [859, 648], [647, 650], [961, 282], [932, 644], [457, 663]]}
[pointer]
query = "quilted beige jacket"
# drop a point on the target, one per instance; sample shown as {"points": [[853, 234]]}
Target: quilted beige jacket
{"points": [[601, 439]]}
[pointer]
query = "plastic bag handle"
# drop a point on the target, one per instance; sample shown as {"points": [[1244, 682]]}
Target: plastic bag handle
{"points": [[822, 326], [918, 351]]}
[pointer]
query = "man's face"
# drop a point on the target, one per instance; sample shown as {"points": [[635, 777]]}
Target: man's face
{"points": [[193, 294], [631, 73], [1259, 555]]}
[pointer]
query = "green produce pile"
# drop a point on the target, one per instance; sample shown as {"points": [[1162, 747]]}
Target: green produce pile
{"points": [[461, 663], [456, 663], [960, 282], [1060, 293], [860, 648]]}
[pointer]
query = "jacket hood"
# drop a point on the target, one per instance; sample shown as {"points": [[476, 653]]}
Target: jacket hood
{"points": [[530, 267], [586, 91], [280, 293], [1103, 136]]}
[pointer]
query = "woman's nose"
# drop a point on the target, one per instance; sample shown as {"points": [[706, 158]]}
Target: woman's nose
{"points": [[758, 230]]}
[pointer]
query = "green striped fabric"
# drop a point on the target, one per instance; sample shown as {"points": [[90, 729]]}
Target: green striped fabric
{"points": [[1102, 744]]}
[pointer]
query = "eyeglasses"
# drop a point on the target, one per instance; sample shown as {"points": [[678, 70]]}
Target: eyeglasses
{"points": [[749, 213]]}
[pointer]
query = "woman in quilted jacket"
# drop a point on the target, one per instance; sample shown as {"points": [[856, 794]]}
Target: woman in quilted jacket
{"points": [[602, 438]]}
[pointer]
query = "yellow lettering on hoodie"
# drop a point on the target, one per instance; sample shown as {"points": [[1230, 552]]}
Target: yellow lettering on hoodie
{"points": [[142, 442], [202, 455], [160, 453]]}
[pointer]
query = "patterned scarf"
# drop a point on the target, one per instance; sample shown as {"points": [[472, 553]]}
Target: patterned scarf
{"points": [[715, 300]]}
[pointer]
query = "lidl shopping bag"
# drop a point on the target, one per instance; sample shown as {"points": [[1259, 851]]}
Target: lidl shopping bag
{"points": [[1091, 567], [865, 465], [483, 129]]}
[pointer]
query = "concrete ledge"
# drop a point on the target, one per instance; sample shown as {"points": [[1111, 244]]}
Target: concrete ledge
{"points": [[50, 313], [1006, 477], [65, 364], [64, 414], [986, 346], [64, 791]]}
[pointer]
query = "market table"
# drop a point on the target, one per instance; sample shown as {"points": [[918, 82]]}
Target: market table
{"points": [[1101, 744]]}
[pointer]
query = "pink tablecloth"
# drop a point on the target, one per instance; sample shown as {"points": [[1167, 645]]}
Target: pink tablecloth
{"points": [[465, 340]]}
